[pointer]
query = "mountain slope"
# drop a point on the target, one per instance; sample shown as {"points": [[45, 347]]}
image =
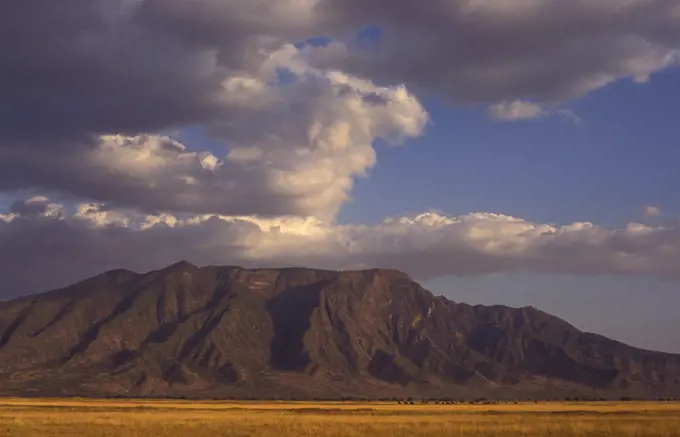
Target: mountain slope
{"points": [[231, 332]]}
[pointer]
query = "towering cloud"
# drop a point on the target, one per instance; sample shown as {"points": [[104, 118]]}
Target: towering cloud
{"points": [[294, 149]]}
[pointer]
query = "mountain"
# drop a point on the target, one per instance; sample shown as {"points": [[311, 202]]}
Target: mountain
{"points": [[301, 333]]}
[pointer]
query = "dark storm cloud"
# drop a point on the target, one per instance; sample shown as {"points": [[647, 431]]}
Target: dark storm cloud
{"points": [[83, 66], [493, 50], [127, 66]]}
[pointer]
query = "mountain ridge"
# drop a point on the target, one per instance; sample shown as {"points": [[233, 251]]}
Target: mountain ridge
{"points": [[301, 333]]}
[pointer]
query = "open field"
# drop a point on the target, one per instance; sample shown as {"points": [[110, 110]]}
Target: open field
{"points": [[85, 418]]}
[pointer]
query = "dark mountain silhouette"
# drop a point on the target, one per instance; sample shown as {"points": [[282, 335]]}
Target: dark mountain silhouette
{"points": [[301, 333]]}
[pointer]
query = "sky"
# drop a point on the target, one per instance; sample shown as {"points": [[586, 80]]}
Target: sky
{"points": [[518, 153]]}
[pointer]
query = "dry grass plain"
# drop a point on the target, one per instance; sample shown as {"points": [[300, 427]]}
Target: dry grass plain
{"points": [[109, 418]]}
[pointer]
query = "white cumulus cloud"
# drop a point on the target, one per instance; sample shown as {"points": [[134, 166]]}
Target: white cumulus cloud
{"points": [[651, 211], [88, 239], [517, 110]]}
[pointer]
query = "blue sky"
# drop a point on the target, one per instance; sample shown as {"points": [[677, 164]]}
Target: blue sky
{"points": [[624, 157]]}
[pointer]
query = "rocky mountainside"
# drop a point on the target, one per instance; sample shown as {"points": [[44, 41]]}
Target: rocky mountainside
{"points": [[300, 333]]}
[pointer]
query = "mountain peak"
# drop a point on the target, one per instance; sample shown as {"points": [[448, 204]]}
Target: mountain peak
{"points": [[181, 265]]}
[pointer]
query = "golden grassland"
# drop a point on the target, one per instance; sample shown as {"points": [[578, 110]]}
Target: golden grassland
{"points": [[140, 418]]}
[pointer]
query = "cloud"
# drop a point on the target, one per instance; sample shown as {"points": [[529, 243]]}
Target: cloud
{"points": [[130, 66], [493, 51], [294, 149], [517, 110], [651, 211], [93, 121], [36, 206], [523, 110], [140, 66], [44, 251]]}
